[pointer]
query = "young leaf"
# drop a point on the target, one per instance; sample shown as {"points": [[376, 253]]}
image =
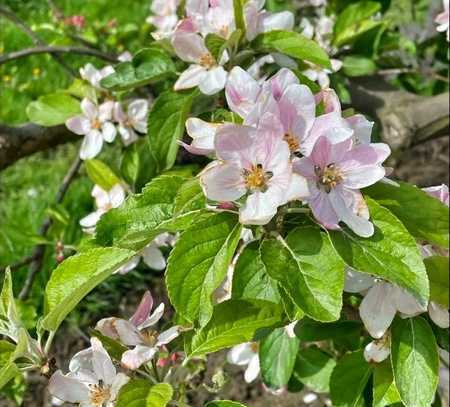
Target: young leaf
{"points": [[159, 395], [312, 331], [348, 380], [294, 45], [73, 279], [310, 271], [313, 368], [233, 322], [277, 354], [385, 392], [100, 174], [134, 393], [391, 253], [166, 126], [415, 360], [437, 269], [148, 66], [354, 65], [199, 263], [250, 278], [54, 109], [425, 217]]}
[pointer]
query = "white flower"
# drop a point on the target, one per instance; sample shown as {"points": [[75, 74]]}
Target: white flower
{"points": [[165, 17], [378, 350], [93, 75], [95, 124], [134, 119], [104, 201], [246, 354], [321, 75], [92, 380], [439, 315]]}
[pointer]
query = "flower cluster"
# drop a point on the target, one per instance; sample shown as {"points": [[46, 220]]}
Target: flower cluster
{"points": [[284, 152]]}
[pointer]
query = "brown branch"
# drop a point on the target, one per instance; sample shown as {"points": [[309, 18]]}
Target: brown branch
{"points": [[41, 49], [18, 142], [39, 250], [24, 262], [406, 119]]}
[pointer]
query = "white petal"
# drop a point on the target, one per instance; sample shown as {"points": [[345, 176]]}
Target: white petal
{"points": [[101, 362], [79, 125], [105, 111], [240, 354], [406, 303], [91, 220], [260, 208], [190, 78], [277, 21], [377, 351], [119, 381], [214, 81], [356, 282], [138, 109], [298, 189], [92, 145], [154, 258], [68, 389], [241, 91], [169, 335], [116, 195], [130, 266], [109, 132], [89, 109], [439, 315], [202, 133], [253, 369], [133, 359], [128, 334], [154, 317]]}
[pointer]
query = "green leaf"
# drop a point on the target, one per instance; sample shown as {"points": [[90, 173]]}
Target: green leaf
{"points": [[277, 354], [159, 396], [100, 174], [166, 123], [7, 373], [354, 65], [354, 21], [309, 269], [250, 278], [415, 361], [215, 45], [198, 264], [148, 66], [391, 253], [437, 269], [238, 6], [314, 368], [190, 198], [348, 380], [312, 331], [134, 393], [385, 392], [294, 45], [224, 403], [54, 109], [143, 216], [74, 278], [424, 216], [233, 322]]}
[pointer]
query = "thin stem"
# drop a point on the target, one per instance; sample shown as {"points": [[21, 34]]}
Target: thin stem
{"points": [[155, 371], [49, 342]]}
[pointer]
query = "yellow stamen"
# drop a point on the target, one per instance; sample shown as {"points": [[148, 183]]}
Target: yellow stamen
{"points": [[99, 394], [207, 61], [329, 177], [256, 178], [292, 141]]}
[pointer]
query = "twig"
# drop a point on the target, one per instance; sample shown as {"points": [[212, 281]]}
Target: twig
{"points": [[39, 251], [36, 40], [44, 49], [19, 264]]}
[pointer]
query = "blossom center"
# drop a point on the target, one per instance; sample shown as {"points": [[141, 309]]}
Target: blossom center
{"points": [[150, 337], [254, 347], [328, 177], [207, 61], [99, 394], [95, 124], [292, 141], [257, 177]]}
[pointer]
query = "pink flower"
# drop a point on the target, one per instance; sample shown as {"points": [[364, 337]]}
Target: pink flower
{"points": [[253, 165], [76, 21], [335, 173], [443, 20], [165, 17], [440, 192], [95, 124], [135, 119]]}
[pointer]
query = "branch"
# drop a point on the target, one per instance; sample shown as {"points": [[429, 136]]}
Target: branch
{"points": [[43, 49], [18, 142], [406, 119], [39, 251]]}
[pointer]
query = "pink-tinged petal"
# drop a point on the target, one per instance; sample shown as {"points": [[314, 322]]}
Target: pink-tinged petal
{"points": [[323, 79], [260, 208], [241, 91], [116, 195], [406, 303], [355, 201], [92, 145], [128, 135], [128, 333], [213, 81], [169, 335], [79, 125], [253, 369], [336, 65], [377, 310], [251, 16], [298, 188], [439, 192], [119, 114], [190, 47], [143, 310], [68, 389], [195, 7], [105, 111], [88, 72], [356, 282], [101, 362], [331, 102], [154, 317], [202, 133], [154, 258], [333, 126], [129, 266], [89, 109], [274, 155], [190, 78], [357, 224], [222, 182], [92, 219], [241, 355], [109, 132], [106, 326], [264, 104], [138, 109], [439, 315], [134, 359], [364, 155], [82, 362], [281, 81], [321, 155], [321, 208], [304, 167], [377, 351], [363, 176], [362, 128], [276, 21], [233, 142], [186, 25], [270, 127]]}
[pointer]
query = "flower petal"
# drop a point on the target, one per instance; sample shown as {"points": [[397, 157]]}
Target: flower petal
{"points": [[439, 315], [190, 47], [190, 78], [362, 128], [280, 82], [168, 335], [109, 132], [260, 207], [128, 333], [154, 258], [91, 220], [213, 81], [68, 389], [356, 282], [154, 317], [253, 369], [138, 109], [240, 354], [116, 195], [203, 135], [79, 125], [406, 303], [276, 21], [101, 362], [89, 109], [241, 91], [143, 310], [133, 359], [92, 145], [377, 351]]}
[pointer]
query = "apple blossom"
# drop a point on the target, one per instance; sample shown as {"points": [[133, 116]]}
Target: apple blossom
{"points": [[165, 17], [132, 121], [254, 164], [95, 124], [92, 380], [321, 75], [135, 332], [246, 354], [93, 75], [203, 135], [378, 350], [443, 20], [440, 192], [335, 173]]}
